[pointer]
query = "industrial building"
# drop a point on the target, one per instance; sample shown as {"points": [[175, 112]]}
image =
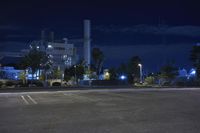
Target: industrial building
{"points": [[61, 53]]}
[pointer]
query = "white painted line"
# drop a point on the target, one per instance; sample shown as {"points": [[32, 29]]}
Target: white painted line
{"points": [[102, 90], [24, 100], [126, 90], [32, 99]]}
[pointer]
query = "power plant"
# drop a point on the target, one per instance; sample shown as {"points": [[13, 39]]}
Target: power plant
{"points": [[47, 43], [61, 53]]}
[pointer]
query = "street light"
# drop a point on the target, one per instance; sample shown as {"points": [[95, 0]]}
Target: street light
{"points": [[140, 65], [75, 74], [122, 77]]}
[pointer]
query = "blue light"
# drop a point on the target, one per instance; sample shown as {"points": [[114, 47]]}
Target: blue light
{"points": [[122, 77], [192, 72]]}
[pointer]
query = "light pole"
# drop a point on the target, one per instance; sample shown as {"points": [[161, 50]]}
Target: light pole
{"points": [[75, 74], [140, 65]]}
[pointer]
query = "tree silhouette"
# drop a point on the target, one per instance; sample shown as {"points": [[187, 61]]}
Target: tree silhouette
{"points": [[133, 69], [195, 58], [77, 70], [98, 58], [168, 72], [35, 59]]}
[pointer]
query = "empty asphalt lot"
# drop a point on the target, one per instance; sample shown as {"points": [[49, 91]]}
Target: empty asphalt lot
{"points": [[101, 111]]}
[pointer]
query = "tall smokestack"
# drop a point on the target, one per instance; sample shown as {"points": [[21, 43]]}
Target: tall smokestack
{"points": [[43, 35], [52, 36], [87, 47]]}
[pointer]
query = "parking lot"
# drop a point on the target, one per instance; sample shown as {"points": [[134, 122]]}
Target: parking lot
{"points": [[169, 111]]}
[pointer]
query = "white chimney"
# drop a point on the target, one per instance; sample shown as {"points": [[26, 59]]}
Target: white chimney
{"points": [[87, 47]]}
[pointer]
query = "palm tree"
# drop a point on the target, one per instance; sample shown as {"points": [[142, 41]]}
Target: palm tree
{"points": [[98, 58]]}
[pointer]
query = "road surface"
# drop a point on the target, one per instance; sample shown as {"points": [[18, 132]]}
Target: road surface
{"points": [[101, 111]]}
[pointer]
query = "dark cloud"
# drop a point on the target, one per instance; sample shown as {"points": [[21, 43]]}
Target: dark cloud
{"points": [[10, 27], [18, 36], [10, 33], [12, 46], [190, 31]]}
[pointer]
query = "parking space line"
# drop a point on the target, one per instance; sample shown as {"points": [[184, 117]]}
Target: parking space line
{"points": [[24, 100], [32, 99]]}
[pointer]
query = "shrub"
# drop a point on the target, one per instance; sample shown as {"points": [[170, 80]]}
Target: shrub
{"points": [[9, 83], [56, 84], [149, 80], [39, 84], [21, 84], [180, 83], [166, 83], [1, 83], [35, 83]]}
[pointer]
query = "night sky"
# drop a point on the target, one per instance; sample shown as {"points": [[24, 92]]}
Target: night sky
{"points": [[157, 31]]}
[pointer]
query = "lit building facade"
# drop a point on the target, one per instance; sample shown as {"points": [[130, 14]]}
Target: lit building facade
{"points": [[62, 55], [10, 73]]}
